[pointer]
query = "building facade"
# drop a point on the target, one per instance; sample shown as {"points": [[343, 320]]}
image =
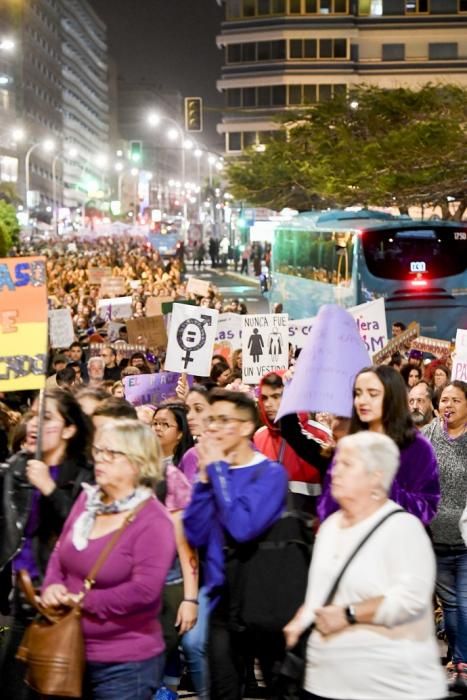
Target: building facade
{"points": [[285, 54]]}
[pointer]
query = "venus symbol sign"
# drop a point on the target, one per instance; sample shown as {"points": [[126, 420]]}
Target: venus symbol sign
{"points": [[191, 336]]}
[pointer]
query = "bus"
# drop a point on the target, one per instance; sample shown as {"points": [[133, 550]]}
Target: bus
{"points": [[352, 257]]}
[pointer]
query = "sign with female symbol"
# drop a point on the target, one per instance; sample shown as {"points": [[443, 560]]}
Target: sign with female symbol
{"points": [[191, 340]]}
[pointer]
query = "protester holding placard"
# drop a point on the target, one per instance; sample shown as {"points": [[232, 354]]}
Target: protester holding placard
{"points": [[448, 435]]}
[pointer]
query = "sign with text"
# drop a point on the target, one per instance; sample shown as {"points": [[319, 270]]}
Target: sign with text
{"points": [[118, 307], [97, 274], [398, 343], [459, 363], [113, 286], [229, 334], [371, 323], [299, 330], [265, 345], [153, 306], [435, 346], [142, 389], [150, 332], [198, 287], [123, 349], [191, 339], [23, 323], [61, 331]]}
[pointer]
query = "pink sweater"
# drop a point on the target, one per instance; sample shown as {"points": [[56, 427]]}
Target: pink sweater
{"points": [[120, 613]]}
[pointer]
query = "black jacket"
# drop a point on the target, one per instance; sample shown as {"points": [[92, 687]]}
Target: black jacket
{"points": [[15, 504]]}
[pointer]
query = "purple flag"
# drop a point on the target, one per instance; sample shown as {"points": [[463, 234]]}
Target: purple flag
{"points": [[326, 368], [151, 388]]}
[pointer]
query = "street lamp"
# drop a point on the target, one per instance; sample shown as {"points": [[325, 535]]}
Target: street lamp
{"points": [[7, 45], [47, 146], [71, 153]]}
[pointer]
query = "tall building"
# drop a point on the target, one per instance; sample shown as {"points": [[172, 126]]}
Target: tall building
{"points": [[284, 54], [85, 97]]}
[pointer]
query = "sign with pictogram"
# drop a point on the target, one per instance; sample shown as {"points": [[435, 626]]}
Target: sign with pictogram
{"points": [[191, 339]]}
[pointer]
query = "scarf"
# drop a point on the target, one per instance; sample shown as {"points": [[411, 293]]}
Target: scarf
{"points": [[94, 506]]}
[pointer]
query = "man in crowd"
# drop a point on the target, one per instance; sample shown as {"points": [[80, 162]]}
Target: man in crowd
{"points": [[421, 404], [96, 369], [239, 495], [112, 371]]}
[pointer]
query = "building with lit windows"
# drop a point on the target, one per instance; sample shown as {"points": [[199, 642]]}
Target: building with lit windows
{"points": [[284, 54]]}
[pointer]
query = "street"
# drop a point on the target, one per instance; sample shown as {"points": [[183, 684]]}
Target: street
{"points": [[233, 285]]}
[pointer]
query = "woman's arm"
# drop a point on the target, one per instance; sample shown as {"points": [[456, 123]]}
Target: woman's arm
{"points": [[303, 443], [188, 609]]}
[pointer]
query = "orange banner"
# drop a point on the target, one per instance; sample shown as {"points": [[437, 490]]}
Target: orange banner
{"points": [[23, 323]]}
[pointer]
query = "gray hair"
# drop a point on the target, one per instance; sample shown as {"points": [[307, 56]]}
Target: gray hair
{"points": [[378, 452], [96, 361]]}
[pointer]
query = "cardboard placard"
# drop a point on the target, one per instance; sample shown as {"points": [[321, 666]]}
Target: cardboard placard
{"points": [[96, 274], [265, 345], [113, 286], [435, 346], [200, 288], [148, 331], [122, 348], [61, 332], [459, 363], [413, 331], [153, 306], [115, 308]]}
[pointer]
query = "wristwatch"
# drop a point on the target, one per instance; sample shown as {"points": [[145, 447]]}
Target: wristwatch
{"points": [[351, 614]]}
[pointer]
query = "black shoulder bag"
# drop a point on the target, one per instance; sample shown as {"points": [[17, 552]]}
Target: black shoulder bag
{"points": [[293, 667]]}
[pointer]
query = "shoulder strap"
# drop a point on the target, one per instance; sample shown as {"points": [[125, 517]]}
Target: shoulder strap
{"points": [[280, 456], [90, 579], [336, 583]]}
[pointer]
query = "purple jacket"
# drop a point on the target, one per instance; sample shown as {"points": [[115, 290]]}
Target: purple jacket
{"points": [[189, 464], [415, 487]]}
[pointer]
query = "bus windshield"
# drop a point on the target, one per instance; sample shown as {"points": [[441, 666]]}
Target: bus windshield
{"points": [[399, 254]]}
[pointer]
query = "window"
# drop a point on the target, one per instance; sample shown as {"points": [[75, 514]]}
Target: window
{"points": [[249, 138], [393, 52], [325, 93], [234, 141], [234, 97], [417, 6], [295, 95], [278, 7], [264, 96], [442, 52], [249, 52], [263, 7], [278, 95], [295, 7], [249, 97], [309, 94], [277, 50], [320, 49], [462, 5], [234, 53], [248, 8]]}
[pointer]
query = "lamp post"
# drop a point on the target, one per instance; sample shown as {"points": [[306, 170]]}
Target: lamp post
{"points": [[48, 145], [72, 153]]}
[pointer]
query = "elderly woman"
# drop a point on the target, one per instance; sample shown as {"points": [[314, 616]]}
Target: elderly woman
{"points": [[123, 637], [376, 638]]}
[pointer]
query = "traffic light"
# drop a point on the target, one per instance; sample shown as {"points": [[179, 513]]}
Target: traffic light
{"points": [[136, 151], [193, 114]]}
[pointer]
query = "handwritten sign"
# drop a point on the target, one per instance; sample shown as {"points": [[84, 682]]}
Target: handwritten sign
{"points": [[265, 345], [23, 323], [229, 334], [413, 331], [371, 323], [326, 368], [61, 331], [299, 330], [148, 331], [118, 307], [459, 363], [191, 339], [142, 389], [198, 287], [434, 346], [123, 349], [97, 274], [113, 286]]}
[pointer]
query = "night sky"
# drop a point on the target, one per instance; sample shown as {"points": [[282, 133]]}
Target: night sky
{"points": [[170, 43]]}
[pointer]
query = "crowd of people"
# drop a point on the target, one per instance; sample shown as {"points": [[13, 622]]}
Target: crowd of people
{"points": [[196, 485]]}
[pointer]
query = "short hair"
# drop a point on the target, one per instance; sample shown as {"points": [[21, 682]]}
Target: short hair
{"points": [[378, 452], [96, 361], [218, 369], [399, 324], [428, 388], [66, 376], [87, 392], [458, 384], [140, 446], [273, 380], [240, 400], [114, 407]]}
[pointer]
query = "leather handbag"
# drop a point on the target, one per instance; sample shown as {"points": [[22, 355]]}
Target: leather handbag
{"points": [[53, 645]]}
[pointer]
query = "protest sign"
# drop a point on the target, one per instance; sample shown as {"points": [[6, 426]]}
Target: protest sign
{"points": [[148, 331], [113, 286], [299, 331], [151, 388], [435, 346], [97, 274], [191, 339], [123, 349], [371, 323], [229, 334], [265, 345], [198, 287], [153, 306], [459, 363], [113, 330], [326, 368], [61, 331], [23, 323], [118, 307], [398, 343]]}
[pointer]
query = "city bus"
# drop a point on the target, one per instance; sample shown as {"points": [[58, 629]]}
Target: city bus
{"points": [[352, 257]]}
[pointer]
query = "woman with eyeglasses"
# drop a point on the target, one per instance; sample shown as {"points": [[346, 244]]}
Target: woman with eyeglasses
{"points": [[36, 498], [180, 604], [124, 644]]}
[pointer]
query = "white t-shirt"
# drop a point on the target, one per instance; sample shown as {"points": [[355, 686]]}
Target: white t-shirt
{"points": [[397, 657]]}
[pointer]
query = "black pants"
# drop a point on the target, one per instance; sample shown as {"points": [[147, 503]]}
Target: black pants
{"points": [[229, 650]]}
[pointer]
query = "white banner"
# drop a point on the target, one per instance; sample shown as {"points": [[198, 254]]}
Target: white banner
{"points": [[229, 333], [371, 323], [299, 331], [61, 331], [265, 345], [459, 362], [191, 339], [117, 307]]}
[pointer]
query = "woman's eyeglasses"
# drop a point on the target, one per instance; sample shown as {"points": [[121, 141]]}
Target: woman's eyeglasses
{"points": [[161, 425], [105, 454]]}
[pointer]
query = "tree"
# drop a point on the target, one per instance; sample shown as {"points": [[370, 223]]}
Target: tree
{"points": [[9, 228], [375, 147]]}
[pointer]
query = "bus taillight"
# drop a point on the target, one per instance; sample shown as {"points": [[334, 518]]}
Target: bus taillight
{"points": [[419, 283]]}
